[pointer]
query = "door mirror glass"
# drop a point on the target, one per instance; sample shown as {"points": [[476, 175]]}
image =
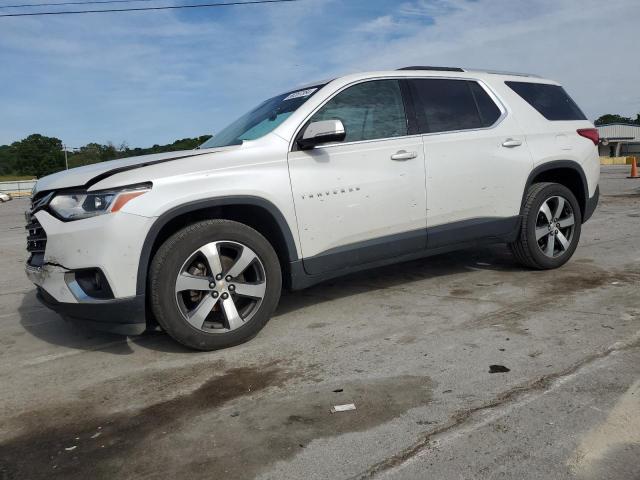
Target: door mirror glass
{"points": [[324, 131]]}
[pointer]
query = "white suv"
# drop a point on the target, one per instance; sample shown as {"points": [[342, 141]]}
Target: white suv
{"points": [[361, 171]]}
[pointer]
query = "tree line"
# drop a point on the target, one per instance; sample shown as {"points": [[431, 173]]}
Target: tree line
{"points": [[614, 118], [38, 155]]}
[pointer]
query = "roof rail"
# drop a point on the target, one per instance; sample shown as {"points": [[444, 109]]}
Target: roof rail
{"points": [[436, 69], [501, 72]]}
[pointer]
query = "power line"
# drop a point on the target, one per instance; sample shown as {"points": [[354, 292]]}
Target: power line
{"points": [[141, 9], [24, 5]]}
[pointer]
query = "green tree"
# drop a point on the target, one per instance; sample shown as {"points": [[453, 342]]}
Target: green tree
{"points": [[37, 155], [7, 166], [615, 118]]}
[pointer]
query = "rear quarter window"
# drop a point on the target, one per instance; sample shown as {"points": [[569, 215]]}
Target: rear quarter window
{"points": [[551, 101]]}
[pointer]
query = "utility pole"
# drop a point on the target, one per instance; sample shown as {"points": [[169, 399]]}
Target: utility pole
{"points": [[66, 161]]}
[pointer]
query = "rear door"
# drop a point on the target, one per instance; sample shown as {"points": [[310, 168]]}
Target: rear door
{"points": [[476, 157], [363, 199]]}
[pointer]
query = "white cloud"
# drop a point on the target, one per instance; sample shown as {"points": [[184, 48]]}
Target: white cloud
{"points": [[585, 45], [379, 25]]}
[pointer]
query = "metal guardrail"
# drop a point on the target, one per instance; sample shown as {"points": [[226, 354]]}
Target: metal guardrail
{"points": [[18, 188]]}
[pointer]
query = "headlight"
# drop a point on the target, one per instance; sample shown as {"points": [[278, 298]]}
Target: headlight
{"points": [[77, 205]]}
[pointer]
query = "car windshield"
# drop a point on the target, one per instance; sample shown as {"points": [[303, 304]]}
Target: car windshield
{"points": [[262, 119]]}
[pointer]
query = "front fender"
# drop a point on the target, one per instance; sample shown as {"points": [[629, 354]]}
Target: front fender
{"points": [[165, 218]]}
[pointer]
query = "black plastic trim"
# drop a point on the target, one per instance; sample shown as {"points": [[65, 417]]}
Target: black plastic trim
{"points": [[413, 127], [556, 164], [125, 316], [366, 252], [591, 205], [402, 247], [36, 260], [500, 229], [85, 279], [162, 220], [434, 69]]}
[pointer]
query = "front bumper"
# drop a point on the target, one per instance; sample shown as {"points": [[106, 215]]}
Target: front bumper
{"points": [[110, 244], [124, 316]]}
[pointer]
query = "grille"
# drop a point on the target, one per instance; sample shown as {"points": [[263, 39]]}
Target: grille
{"points": [[36, 237]]}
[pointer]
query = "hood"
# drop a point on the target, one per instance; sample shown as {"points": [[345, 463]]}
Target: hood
{"points": [[90, 174]]}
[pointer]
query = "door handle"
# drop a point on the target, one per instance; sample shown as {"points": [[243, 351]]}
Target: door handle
{"points": [[510, 143], [403, 155]]}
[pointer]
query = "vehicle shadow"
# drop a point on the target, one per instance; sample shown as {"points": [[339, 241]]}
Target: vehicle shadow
{"points": [[54, 329], [492, 257]]}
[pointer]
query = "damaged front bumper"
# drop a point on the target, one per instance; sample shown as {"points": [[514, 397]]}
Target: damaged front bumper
{"points": [[87, 270], [124, 316]]}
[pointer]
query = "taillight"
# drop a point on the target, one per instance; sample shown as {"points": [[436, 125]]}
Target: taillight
{"points": [[590, 133]]}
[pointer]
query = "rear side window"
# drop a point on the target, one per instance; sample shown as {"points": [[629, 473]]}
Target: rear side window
{"points": [[369, 110], [551, 101], [444, 105]]}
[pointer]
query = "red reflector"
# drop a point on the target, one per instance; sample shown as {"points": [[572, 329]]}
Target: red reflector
{"points": [[590, 133]]}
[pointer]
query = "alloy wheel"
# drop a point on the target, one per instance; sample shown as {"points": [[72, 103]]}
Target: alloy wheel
{"points": [[555, 226], [220, 286]]}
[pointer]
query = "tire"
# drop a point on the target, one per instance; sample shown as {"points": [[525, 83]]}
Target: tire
{"points": [[532, 247], [205, 312]]}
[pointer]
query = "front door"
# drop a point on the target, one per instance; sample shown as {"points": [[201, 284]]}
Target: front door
{"points": [[363, 199]]}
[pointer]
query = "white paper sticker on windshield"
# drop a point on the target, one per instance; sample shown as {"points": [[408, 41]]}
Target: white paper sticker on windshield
{"points": [[301, 93]]}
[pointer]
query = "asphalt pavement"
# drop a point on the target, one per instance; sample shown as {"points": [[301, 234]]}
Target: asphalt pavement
{"points": [[411, 346]]}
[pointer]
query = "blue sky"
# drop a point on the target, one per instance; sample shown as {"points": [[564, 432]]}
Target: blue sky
{"points": [[152, 77]]}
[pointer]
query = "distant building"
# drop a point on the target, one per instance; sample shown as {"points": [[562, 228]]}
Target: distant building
{"points": [[624, 139]]}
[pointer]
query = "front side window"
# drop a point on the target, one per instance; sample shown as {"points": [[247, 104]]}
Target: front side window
{"points": [[262, 119], [444, 105], [368, 111]]}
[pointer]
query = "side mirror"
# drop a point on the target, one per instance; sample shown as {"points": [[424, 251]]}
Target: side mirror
{"points": [[604, 142], [318, 133]]}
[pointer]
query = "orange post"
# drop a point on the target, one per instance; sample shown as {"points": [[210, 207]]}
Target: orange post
{"points": [[634, 169]]}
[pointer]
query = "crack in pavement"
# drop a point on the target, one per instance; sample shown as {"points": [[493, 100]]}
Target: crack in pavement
{"points": [[461, 417]]}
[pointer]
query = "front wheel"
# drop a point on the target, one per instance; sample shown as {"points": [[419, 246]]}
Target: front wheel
{"points": [[214, 284], [550, 229]]}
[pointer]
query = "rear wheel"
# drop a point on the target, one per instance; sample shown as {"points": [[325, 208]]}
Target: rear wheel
{"points": [[214, 284], [550, 229]]}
